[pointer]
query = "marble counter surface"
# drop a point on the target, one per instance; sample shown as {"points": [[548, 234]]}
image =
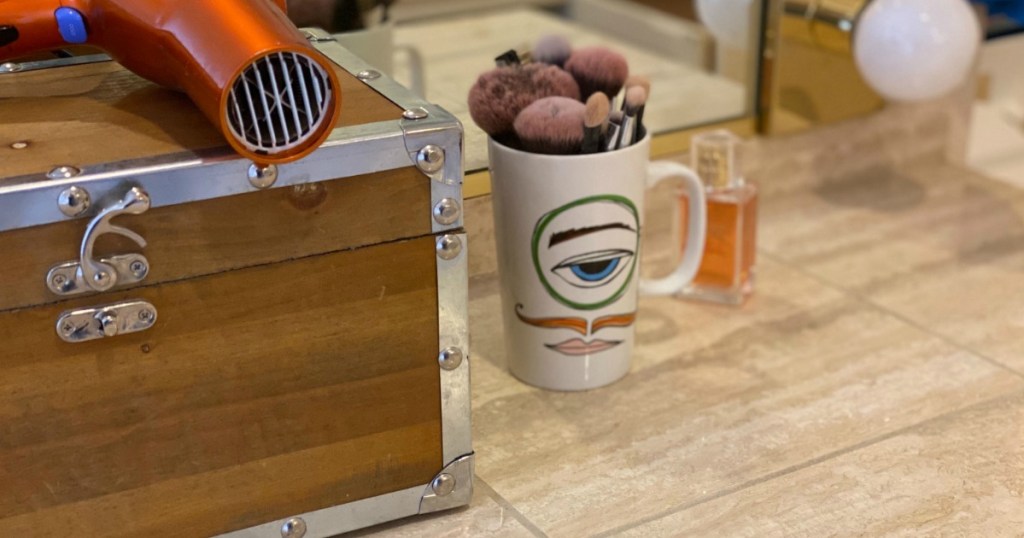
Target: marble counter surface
{"points": [[874, 385]]}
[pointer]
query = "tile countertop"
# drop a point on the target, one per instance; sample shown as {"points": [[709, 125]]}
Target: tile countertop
{"points": [[873, 386]]}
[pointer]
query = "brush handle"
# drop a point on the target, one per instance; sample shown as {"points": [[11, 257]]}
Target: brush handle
{"points": [[613, 137], [591, 140], [507, 58], [627, 133], [685, 272]]}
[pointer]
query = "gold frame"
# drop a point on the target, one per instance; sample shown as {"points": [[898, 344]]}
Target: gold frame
{"points": [[809, 76]]}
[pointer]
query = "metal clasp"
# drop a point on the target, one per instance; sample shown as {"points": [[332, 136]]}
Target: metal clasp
{"points": [[89, 274], [105, 321]]}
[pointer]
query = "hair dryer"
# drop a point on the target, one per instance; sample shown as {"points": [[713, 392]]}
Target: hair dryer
{"points": [[242, 62]]}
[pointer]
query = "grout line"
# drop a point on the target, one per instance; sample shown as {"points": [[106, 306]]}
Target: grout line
{"points": [[507, 506], [888, 311], [809, 463]]}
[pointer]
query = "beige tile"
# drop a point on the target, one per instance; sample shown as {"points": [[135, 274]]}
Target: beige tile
{"points": [[717, 397], [479, 225], [867, 229], [961, 475], [937, 244], [484, 517], [980, 306], [870, 206]]}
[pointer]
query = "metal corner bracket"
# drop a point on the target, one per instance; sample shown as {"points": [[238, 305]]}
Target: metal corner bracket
{"points": [[433, 140], [451, 488], [453, 338], [317, 35], [433, 136], [434, 145]]}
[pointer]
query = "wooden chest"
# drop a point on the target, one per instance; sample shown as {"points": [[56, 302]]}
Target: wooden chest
{"points": [[193, 346]]}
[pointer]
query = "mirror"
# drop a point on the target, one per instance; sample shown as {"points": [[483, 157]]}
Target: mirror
{"points": [[812, 78], [701, 72]]}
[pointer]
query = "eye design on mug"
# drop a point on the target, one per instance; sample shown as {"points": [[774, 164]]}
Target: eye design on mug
{"points": [[593, 269], [591, 245]]}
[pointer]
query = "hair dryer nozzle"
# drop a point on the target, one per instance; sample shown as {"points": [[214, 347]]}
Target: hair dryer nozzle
{"points": [[280, 105]]}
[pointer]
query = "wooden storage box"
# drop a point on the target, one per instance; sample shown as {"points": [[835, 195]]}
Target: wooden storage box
{"points": [[280, 354]]}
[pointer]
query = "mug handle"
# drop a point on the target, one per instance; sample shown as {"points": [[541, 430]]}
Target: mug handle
{"points": [[417, 80], [685, 272]]}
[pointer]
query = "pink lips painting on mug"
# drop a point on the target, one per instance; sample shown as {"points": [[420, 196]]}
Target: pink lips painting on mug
{"points": [[577, 346]]}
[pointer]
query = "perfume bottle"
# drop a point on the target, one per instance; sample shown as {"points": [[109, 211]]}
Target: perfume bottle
{"points": [[726, 274]]}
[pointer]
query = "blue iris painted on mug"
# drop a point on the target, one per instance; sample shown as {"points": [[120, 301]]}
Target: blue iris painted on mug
{"points": [[593, 269]]}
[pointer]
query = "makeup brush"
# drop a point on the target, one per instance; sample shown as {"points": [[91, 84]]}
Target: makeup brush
{"points": [[636, 97], [594, 121], [639, 80], [614, 124], [501, 93], [552, 125], [597, 69], [552, 49], [509, 57], [645, 83], [520, 56]]}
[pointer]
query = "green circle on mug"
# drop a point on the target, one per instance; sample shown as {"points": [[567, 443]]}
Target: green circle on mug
{"points": [[585, 252]]}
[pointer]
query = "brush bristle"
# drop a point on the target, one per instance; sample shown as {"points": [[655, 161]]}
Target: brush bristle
{"points": [[598, 69], [598, 107], [639, 80], [552, 49], [615, 116], [552, 125], [636, 97], [500, 94]]}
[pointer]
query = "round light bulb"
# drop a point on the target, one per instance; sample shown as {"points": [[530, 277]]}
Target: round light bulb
{"points": [[727, 20], [911, 50]]}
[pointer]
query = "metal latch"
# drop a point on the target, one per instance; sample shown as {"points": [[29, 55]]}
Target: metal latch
{"points": [[89, 274], [105, 321]]}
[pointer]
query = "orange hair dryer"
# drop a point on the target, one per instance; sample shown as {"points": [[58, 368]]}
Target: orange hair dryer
{"points": [[242, 62]]}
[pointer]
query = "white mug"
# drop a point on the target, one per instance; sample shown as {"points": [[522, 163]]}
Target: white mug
{"points": [[567, 229]]}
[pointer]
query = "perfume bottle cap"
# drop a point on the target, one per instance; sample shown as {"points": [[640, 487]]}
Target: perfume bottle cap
{"points": [[715, 158]]}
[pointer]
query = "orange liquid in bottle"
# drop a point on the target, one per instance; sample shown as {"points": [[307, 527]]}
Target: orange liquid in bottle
{"points": [[731, 245]]}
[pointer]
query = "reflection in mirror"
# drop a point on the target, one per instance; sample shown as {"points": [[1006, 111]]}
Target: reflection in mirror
{"points": [[701, 72], [832, 60], [812, 78]]}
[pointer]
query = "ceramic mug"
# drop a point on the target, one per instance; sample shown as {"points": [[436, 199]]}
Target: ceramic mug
{"points": [[567, 229]]}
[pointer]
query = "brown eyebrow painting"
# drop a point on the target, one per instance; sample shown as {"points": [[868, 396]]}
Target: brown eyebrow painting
{"points": [[562, 237]]}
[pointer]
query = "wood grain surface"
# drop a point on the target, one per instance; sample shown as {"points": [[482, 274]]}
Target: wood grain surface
{"points": [[229, 233], [101, 113], [260, 393]]}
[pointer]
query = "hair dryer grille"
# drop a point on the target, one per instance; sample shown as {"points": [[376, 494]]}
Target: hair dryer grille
{"points": [[279, 102]]}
